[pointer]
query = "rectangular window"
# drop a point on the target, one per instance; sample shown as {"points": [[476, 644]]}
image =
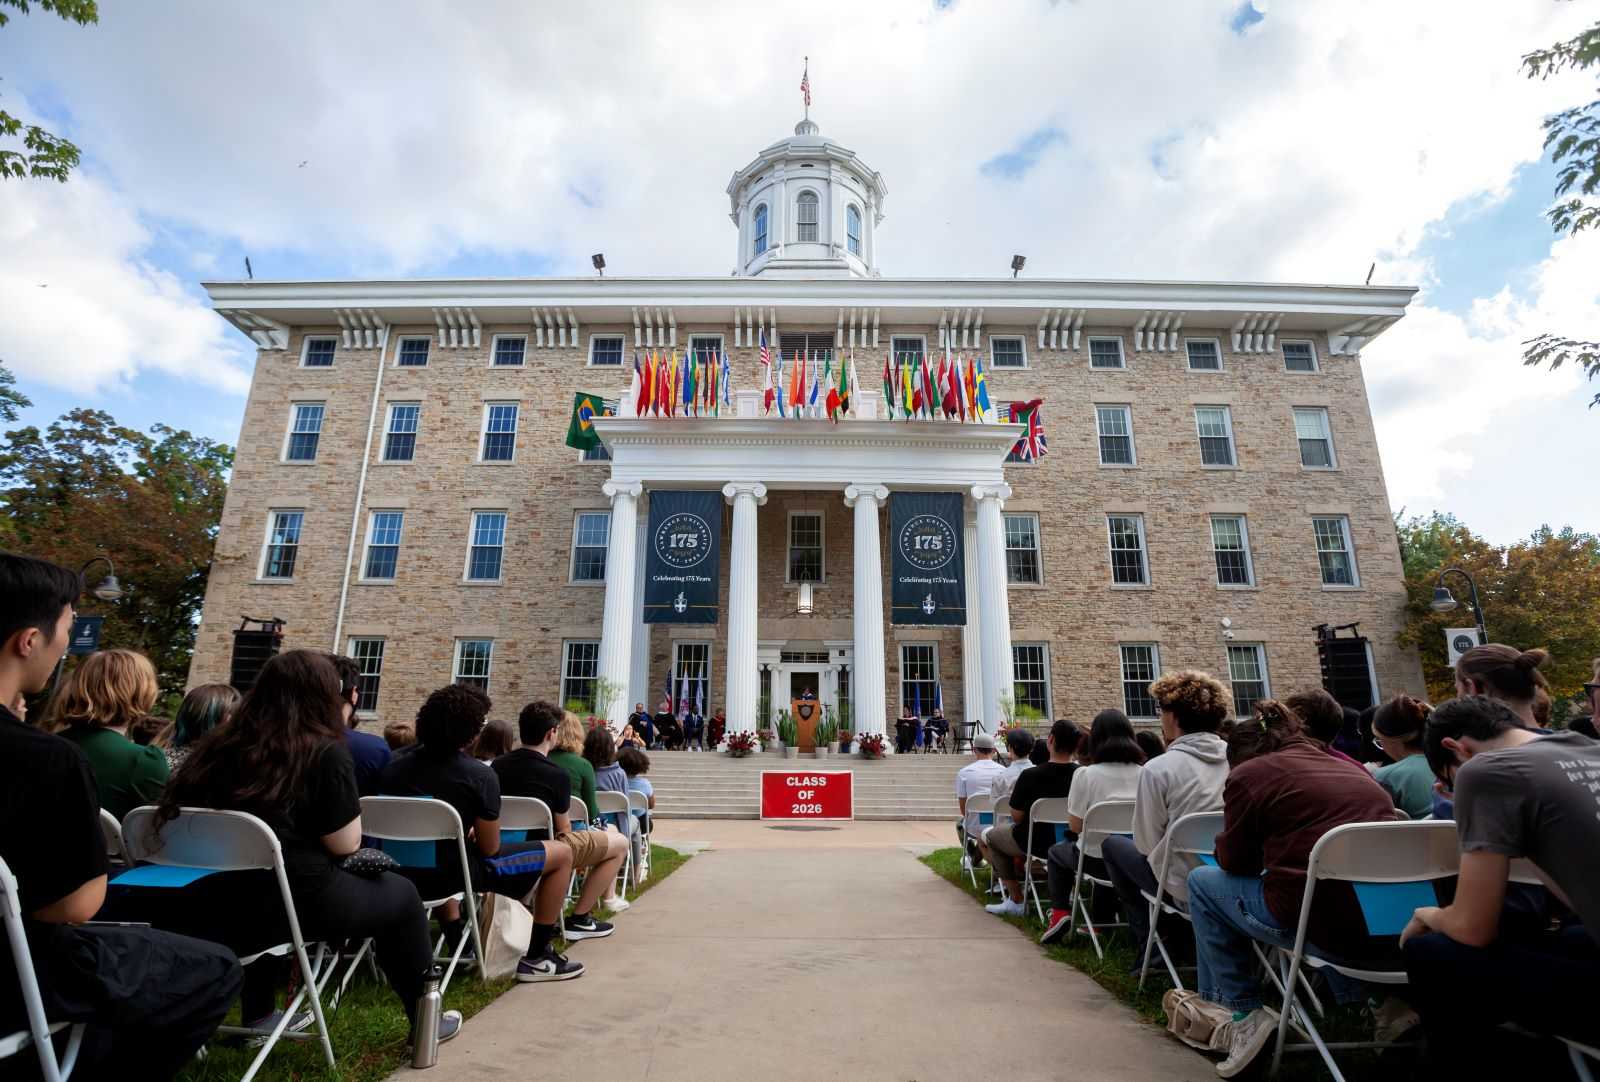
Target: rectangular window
{"points": [[1299, 357], [1215, 426], [605, 350], [400, 431], [1127, 549], [1230, 543], [383, 544], [283, 544], [1247, 672], [1139, 667], [368, 656], [1316, 441], [473, 658], [919, 676], [706, 348], [591, 532], [580, 668], [1334, 551], [499, 432], [1030, 678], [806, 217], [509, 350], [1115, 427], [1204, 355], [487, 547], [818, 347], [1105, 353], [413, 353], [598, 453], [1022, 549], [305, 432], [906, 349], [805, 546], [318, 352], [1007, 352], [691, 676]]}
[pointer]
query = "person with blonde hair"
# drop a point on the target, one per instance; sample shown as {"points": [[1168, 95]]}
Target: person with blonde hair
{"points": [[568, 755], [1505, 673], [107, 693]]}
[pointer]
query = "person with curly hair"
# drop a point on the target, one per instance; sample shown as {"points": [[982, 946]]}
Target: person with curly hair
{"points": [[109, 692], [1398, 727]]}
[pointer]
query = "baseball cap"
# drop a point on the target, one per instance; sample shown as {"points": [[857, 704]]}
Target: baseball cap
{"points": [[983, 742]]}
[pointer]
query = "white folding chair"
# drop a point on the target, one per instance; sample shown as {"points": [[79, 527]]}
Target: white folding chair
{"points": [[1051, 811], [639, 805], [1002, 818], [1101, 821], [981, 807], [111, 830], [611, 802], [1193, 839], [1392, 868], [206, 840], [40, 1029], [577, 813]]}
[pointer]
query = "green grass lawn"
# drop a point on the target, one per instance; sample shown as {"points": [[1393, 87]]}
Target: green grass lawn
{"points": [[369, 1029]]}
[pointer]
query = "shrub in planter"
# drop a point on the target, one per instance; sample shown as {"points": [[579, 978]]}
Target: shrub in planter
{"points": [[871, 745], [741, 743]]}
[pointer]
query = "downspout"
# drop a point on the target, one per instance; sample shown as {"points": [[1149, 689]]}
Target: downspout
{"points": [[361, 488]]}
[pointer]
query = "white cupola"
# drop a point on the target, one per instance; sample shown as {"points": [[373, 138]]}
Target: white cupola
{"points": [[806, 208]]}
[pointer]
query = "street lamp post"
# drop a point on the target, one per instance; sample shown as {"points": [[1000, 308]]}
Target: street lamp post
{"points": [[1444, 600], [108, 589]]}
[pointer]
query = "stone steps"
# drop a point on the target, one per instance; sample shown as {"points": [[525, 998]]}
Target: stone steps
{"points": [[705, 785]]}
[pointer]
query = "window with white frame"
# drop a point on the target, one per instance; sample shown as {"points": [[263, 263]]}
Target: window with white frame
{"points": [[1230, 544], [919, 676], [1030, 677], [1247, 672], [487, 547], [805, 217], [805, 546], [852, 229], [412, 352], [1316, 440], [591, 532], [580, 668], [400, 431], [1128, 563], [1007, 351], [1299, 357], [815, 348], [283, 544], [1215, 427], [472, 662], [1204, 355], [905, 349], [1335, 553], [509, 350], [305, 432], [759, 228], [1022, 549], [691, 675], [1114, 425], [383, 544], [318, 352], [1140, 664], [605, 350], [1105, 352], [368, 656], [499, 432], [705, 348]]}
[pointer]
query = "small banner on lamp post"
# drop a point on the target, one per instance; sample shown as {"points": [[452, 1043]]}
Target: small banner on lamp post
{"points": [[1458, 640]]}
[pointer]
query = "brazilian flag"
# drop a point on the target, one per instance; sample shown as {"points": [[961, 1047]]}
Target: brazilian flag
{"points": [[585, 408]]}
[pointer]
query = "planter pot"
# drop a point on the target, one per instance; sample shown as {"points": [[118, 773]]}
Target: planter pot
{"points": [[822, 752], [790, 752], [738, 754]]}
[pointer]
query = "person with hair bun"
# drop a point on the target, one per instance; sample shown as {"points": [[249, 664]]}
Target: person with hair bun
{"points": [[1398, 727], [1505, 673]]}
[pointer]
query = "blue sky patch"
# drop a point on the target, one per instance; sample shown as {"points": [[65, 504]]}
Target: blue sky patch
{"points": [[1244, 17], [1017, 162], [1483, 246]]}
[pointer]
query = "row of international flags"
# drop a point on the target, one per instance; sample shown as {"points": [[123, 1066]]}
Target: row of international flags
{"points": [[698, 384]]}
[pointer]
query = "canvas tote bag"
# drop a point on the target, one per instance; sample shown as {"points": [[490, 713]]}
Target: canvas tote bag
{"points": [[507, 928]]}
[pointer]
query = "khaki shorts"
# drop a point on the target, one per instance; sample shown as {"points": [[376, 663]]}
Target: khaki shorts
{"points": [[1001, 839], [588, 846]]}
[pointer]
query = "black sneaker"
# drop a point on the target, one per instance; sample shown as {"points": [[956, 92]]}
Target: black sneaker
{"points": [[585, 927], [549, 966]]}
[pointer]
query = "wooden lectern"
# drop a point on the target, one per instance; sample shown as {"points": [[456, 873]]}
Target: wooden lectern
{"points": [[806, 714]]}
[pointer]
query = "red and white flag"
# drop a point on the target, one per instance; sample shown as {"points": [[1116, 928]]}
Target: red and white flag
{"points": [[766, 375], [805, 82]]}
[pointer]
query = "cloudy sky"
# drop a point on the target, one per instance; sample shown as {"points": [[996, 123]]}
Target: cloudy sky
{"points": [[1296, 141]]}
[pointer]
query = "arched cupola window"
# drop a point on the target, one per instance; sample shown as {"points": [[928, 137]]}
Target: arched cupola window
{"points": [[852, 229], [806, 216], [759, 228]]}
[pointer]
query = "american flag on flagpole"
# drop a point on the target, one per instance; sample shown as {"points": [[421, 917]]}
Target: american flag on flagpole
{"points": [[805, 82]]}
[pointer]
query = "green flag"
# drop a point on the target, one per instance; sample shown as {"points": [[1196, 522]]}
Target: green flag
{"points": [[581, 433]]}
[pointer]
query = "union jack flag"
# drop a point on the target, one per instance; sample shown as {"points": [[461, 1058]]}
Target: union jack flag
{"points": [[1031, 446]]}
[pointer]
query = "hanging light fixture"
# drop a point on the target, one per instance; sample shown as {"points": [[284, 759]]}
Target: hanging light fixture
{"points": [[806, 604]]}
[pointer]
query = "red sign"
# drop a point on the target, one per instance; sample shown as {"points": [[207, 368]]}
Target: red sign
{"points": [[802, 794]]}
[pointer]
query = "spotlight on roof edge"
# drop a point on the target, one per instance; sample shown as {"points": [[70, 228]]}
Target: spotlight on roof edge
{"points": [[599, 261], [1017, 262]]}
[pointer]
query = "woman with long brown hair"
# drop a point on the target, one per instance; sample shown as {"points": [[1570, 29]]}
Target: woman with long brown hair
{"points": [[107, 693], [1505, 673]]}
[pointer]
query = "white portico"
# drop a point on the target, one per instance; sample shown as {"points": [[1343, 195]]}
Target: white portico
{"points": [[859, 461]]}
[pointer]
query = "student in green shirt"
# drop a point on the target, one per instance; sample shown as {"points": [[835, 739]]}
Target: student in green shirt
{"points": [[568, 754], [105, 694], [1399, 728]]}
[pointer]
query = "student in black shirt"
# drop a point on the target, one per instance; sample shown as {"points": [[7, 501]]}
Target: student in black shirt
{"points": [[151, 998], [1053, 778], [368, 751]]}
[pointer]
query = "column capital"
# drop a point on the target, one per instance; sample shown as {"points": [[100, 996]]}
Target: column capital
{"points": [[631, 489], [754, 489], [876, 493], [998, 490]]}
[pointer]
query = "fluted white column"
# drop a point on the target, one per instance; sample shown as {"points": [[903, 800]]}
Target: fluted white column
{"points": [[995, 626], [869, 676], [616, 630], [639, 682], [971, 633], [744, 681]]}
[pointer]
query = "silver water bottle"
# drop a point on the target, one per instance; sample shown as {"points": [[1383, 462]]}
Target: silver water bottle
{"points": [[425, 1040]]}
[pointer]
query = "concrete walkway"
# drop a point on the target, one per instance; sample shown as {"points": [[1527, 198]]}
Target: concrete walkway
{"points": [[811, 955]]}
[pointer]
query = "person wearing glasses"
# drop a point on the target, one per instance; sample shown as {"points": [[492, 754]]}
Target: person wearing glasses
{"points": [[1397, 731], [1591, 695]]}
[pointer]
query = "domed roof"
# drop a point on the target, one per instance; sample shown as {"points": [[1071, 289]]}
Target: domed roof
{"points": [[808, 142]]}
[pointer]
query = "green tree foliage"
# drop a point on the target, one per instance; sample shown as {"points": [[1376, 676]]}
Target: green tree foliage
{"points": [[42, 154], [12, 401], [1572, 138], [1544, 592], [87, 486]]}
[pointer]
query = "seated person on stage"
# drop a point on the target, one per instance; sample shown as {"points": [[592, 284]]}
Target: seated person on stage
{"points": [[977, 777], [694, 730], [642, 725], [151, 998], [1008, 840], [369, 751], [1517, 794], [531, 770], [937, 728], [663, 717], [906, 730], [717, 728], [94, 708], [439, 767], [670, 731]]}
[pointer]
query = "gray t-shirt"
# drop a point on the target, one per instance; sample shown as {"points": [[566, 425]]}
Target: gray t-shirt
{"points": [[1541, 801]]}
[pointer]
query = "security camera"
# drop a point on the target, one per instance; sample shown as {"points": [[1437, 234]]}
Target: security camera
{"points": [[1228, 635]]}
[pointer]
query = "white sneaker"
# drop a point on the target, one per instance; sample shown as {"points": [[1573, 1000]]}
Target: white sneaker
{"points": [[1250, 1035], [1006, 908], [616, 905]]}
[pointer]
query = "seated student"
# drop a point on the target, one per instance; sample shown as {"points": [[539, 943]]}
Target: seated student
{"points": [[1150, 743], [636, 764], [1019, 743], [368, 751], [601, 751], [1398, 727], [495, 739], [1517, 794], [535, 770], [108, 692], [629, 738], [151, 998], [447, 724], [1186, 779], [976, 778], [1039, 754], [399, 735], [1112, 774], [203, 709], [1322, 717], [1009, 840], [568, 755], [1504, 673], [1284, 792]]}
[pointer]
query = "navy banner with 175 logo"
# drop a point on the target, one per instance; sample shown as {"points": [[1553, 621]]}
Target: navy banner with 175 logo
{"points": [[680, 573], [927, 565]]}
